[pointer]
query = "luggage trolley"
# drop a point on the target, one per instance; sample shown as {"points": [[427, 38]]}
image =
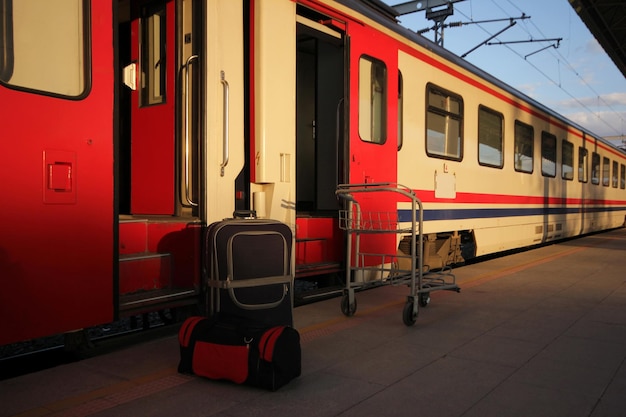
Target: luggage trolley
{"points": [[388, 268]]}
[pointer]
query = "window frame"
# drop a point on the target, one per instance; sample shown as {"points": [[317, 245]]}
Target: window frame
{"points": [[595, 168], [486, 110], [400, 110], [606, 171], [153, 88], [528, 128], [570, 151], [369, 106], [448, 116], [583, 165], [7, 62], [548, 146]]}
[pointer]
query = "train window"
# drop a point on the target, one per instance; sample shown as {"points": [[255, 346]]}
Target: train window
{"points": [[490, 137], [444, 123], [606, 171], [372, 100], [400, 109], [622, 176], [153, 57], [595, 168], [524, 147], [583, 170], [615, 172], [548, 154], [43, 46], [567, 164]]}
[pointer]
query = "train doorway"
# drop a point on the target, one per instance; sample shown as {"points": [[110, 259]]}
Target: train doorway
{"points": [[320, 126], [158, 153], [159, 124]]}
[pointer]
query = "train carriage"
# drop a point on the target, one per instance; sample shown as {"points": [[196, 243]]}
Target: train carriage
{"points": [[131, 125]]}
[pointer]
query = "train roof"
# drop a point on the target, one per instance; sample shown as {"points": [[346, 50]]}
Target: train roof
{"points": [[387, 16]]}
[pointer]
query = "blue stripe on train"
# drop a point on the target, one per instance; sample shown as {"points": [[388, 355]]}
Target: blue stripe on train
{"points": [[404, 215]]}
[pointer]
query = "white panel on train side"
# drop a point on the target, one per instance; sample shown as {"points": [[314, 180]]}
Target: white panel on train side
{"points": [[224, 93], [412, 154], [275, 109]]}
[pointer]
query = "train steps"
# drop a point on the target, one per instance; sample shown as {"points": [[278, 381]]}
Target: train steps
{"points": [[319, 246], [158, 263]]}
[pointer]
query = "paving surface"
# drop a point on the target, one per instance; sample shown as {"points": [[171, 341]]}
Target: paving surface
{"points": [[538, 333]]}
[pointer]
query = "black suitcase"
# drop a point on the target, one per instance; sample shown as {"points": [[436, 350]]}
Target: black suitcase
{"points": [[249, 268], [265, 357]]}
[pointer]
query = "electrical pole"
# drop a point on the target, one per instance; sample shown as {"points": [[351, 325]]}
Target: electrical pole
{"points": [[436, 10]]}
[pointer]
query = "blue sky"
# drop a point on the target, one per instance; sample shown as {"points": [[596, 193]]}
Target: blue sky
{"points": [[577, 79]]}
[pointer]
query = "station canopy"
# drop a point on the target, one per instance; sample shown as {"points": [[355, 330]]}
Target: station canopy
{"points": [[606, 20]]}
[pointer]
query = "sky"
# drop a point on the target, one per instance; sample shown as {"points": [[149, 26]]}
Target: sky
{"points": [[577, 79]]}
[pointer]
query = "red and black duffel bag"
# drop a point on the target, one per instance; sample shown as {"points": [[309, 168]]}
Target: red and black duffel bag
{"points": [[266, 357]]}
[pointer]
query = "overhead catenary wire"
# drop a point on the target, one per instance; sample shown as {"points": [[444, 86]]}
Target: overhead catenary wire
{"points": [[608, 116], [560, 59]]}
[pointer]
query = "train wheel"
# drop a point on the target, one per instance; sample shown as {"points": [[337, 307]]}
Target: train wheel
{"points": [[424, 299], [409, 314], [346, 308]]}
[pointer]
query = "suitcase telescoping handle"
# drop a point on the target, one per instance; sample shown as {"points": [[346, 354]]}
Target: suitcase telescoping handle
{"points": [[231, 285], [244, 214]]}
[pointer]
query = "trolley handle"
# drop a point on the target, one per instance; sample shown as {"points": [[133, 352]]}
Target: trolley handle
{"points": [[346, 197], [377, 186], [365, 184]]}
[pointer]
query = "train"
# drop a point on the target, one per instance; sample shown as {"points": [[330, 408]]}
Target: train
{"points": [[129, 126]]}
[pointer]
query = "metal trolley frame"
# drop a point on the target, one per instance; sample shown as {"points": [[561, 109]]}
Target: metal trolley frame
{"points": [[388, 268]]}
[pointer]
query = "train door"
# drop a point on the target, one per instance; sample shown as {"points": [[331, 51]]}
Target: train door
{"points": [[56, 128], [159, 150], [320, 107], [162, 89], [153, 104], [373, 111], [372, 143]]}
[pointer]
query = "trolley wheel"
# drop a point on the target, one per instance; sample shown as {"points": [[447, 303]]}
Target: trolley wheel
{"points": [[346, 308], [408, 315], [424, 299]]}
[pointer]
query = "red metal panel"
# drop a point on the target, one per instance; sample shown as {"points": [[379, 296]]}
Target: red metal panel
{"points": [[318, 240], [182, 241], [133, 237], [152, 153], [56, 256], [310, 251], [372, 162], [145, 273]]}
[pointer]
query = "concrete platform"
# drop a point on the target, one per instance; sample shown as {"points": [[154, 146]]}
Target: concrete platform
{"points": [[539, 333]]}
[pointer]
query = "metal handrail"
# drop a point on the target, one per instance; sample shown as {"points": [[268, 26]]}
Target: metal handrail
{"points": [[188, 196], [225, 142]]}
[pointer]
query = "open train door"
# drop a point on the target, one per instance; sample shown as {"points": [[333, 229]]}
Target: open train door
{"points": [[373, 109], [57, 223], [160, 154], [151, 78]]}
